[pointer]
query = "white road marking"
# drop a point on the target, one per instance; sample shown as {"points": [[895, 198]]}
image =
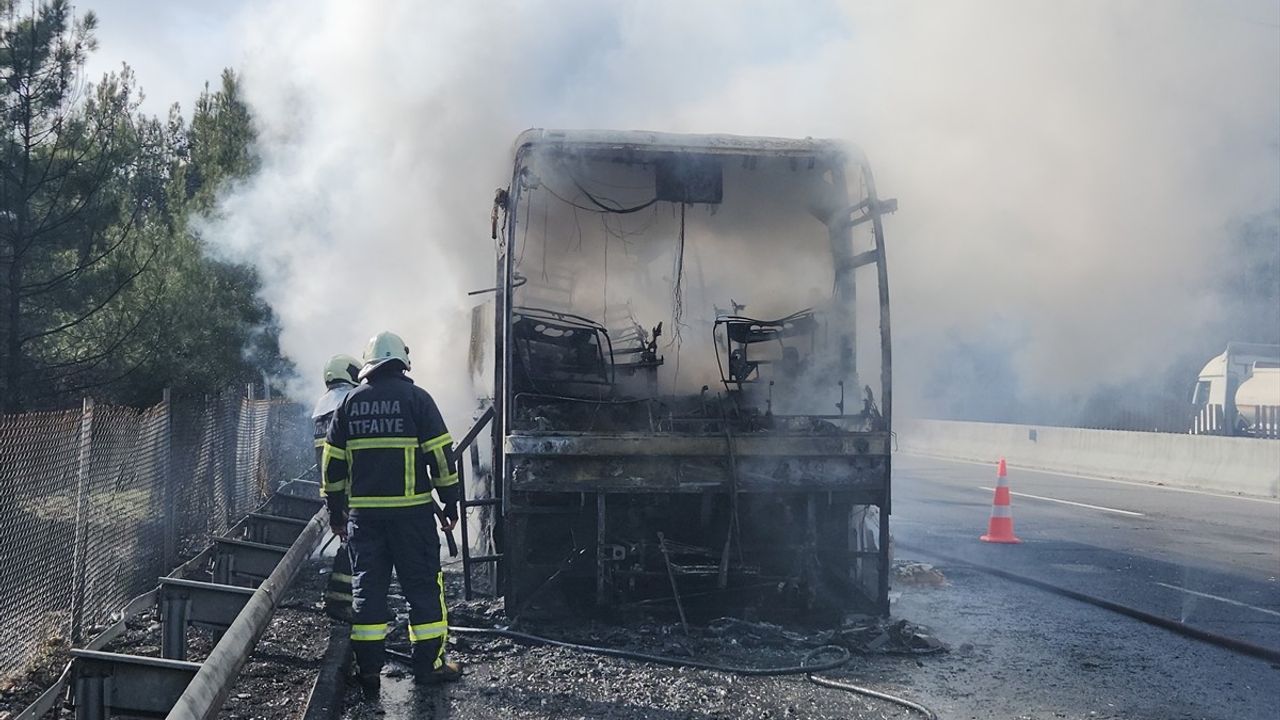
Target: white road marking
{"points": [[1068, 502], [1228, 601], [1019, 468]]}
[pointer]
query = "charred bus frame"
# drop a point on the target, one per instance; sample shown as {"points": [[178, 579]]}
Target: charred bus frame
{"points": [[564, 494]]}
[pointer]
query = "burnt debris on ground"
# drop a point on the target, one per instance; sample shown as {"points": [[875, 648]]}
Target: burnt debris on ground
{"points": [[508, 678], [920, 574], [18, 692], [277, 680], [273, 685]]}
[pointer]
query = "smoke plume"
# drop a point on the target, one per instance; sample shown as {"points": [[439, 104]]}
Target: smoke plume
{"points": [[1074, 178]]}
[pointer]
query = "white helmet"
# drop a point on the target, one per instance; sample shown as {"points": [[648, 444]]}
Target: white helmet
{"points": [[341, 368], [382, 348]]}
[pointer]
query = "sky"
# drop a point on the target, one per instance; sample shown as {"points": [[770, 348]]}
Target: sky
{"points": [[1073, 178], [173, 46]]}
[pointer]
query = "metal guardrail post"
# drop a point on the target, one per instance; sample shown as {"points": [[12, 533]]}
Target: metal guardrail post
{"points": [[108, 684], [90, 697], [236, 561], [79, 551], [192, 602], [208, 690], [175, 612]]}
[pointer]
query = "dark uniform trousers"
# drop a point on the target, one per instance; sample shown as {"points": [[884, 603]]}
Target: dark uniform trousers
{"points": [[403, 539]]}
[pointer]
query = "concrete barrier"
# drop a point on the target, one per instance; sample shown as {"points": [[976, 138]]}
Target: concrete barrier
{"points": [[1236, 465]]}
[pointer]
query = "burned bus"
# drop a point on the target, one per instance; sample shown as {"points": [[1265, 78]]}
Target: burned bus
{"points": [[686, 362]]}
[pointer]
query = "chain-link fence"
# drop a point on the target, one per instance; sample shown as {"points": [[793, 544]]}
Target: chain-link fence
{"points": [[95, 504]]}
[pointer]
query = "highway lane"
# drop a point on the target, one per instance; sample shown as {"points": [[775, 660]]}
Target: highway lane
{"points": [[1207, 559]]}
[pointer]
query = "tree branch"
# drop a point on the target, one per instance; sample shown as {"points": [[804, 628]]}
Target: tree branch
{"points": [[89, 386], [100, 175], [96, 309], [98, 358], [44, 286]]}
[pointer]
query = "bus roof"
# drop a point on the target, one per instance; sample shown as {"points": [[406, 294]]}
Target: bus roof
{"points": [[643, 141]]}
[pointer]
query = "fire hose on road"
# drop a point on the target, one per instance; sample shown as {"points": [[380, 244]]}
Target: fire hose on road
{"points": [[807, 666]]}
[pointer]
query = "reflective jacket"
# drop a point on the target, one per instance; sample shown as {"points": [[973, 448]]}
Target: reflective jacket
{"points": [[387, 447], [323, 412]]}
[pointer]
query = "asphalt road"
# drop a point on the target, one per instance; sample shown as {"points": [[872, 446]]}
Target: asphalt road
{"points": [[1207, 559], [1016, 651]]}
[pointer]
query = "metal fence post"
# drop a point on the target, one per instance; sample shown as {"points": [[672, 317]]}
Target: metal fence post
{"points": [[167, 482], [209, 437], [229, 418], [245, 445], [79, 565]]}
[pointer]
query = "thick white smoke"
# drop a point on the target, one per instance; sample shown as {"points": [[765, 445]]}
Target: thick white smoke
{"points": [[1068, 172]]}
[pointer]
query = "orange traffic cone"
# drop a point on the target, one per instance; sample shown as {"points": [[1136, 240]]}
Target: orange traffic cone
{"points": [[1000, 527]]}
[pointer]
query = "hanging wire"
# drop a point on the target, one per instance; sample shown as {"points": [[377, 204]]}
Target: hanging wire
{"points": [[600, 207], [569, 202], [677, 304], [601, 204], [606, 270], [578, 224], [624, 234], [678, 279], [617, 208]]}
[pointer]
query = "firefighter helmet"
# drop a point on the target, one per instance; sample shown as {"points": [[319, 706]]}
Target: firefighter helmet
{"points": [[384, 347], [341, 368]]}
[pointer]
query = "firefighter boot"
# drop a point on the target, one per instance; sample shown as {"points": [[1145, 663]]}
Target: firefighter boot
{"points": [[447, 672], [371, 688], [369, 658], [430, 666]]}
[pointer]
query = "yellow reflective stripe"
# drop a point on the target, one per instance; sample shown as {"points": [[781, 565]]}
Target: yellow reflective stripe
{"points": [[428, 631], [345, 597], [444, 620], [341, 577], [438, 441], [442, 462], [330, 455], [319, 442], [366, 633], [385, 501], [410, 466], [382, 443], [446, 481]]}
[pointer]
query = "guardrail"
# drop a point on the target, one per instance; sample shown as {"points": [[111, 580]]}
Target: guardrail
{"points": [[240, 607], [204, 695]]}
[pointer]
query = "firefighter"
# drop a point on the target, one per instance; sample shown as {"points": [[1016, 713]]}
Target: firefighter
{"points": [[386, 450], [340, 377]]}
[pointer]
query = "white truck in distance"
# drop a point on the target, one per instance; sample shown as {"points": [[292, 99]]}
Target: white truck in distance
{"points": [[1238, 392]]}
